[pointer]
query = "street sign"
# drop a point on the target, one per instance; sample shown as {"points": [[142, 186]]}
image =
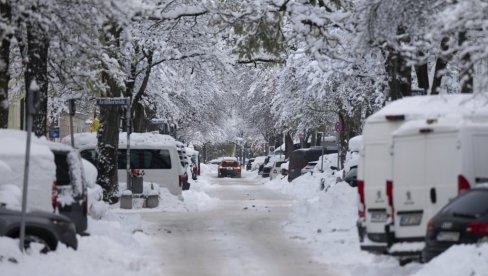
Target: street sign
{"points": [[158, 121], [338, 126], [54, 132], [112, 101]]}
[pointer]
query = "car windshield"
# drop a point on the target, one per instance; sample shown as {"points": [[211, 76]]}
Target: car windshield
{"points": [[473, 203], [278, 164], [229, 164]]}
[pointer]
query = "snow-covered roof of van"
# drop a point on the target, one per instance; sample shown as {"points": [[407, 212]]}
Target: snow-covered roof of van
{"points": [[452, 122], [436, 105], [87, 140]]}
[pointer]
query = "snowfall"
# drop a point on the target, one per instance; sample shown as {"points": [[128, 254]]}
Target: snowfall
{"points": [[324, 221]]}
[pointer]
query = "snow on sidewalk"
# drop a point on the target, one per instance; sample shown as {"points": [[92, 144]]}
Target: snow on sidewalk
{"points": [[326, 223]]}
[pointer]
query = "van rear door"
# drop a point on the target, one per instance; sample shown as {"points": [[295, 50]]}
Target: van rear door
{"points": [[425, 174]]}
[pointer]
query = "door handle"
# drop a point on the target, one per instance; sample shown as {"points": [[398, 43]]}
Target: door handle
{"points": [[433, 195]]}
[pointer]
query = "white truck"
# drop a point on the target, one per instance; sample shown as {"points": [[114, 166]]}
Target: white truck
{"points": [[375, 172], [433, 161]]}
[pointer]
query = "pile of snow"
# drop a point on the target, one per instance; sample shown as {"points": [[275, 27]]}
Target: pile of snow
{"points": [[459, 260], [111, 249]]}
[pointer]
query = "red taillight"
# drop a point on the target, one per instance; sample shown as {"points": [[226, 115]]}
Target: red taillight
{"points": [[430, 226], [463, 184], [362, 205], [54, 196], [237, 168], [478, 228], [395, 117], [304, 165], [425, 130], [220, 167], [136, 172], [389, 195], [180, 181]]}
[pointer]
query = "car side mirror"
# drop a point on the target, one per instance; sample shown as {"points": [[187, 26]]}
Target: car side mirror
{"points": [[334, 168]]}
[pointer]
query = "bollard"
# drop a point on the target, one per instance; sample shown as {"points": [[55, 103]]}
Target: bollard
{"points": [[126, 200]]}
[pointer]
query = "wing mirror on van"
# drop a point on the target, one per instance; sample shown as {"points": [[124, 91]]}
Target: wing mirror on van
{"points": [[334, 168]]}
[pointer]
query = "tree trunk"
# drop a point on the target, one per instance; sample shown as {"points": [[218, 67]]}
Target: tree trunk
{"points": [[108, 143], [36, 69], [466, 76], [399, 75], [6, 15], [108, 132], [140, 120], [440, 66]]}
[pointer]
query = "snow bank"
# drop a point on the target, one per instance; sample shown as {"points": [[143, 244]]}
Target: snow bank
{"points": [[112, 249], [459, 260]]}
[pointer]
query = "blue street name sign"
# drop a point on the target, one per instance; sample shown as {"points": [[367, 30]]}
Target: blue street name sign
{"points": [[54, 132], [112, 101]]}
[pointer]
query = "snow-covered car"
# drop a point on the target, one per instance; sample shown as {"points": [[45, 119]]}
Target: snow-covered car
{"points": [[276, 169], [309, 167], [56, 176], [40, 227], [258, 161]]}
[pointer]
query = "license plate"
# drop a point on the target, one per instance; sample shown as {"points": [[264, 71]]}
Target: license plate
{"points": [[448, 236], [378, 216], [410, 219]]}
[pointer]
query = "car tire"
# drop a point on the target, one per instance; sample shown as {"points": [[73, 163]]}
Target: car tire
{"points": [[35, 236]]}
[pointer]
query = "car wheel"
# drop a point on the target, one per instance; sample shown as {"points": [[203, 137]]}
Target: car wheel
{"points": [[46, 246]]}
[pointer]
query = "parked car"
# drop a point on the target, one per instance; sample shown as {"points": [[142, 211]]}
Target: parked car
{"points": [[300, 157], [56, 175], [463, 220], [266, 170], [351, 176], [309, 167], [158, 155], [276, 169], [229, 167], [249, 164], [258, 161], [375, 164], [434, 160], [41, 227]]}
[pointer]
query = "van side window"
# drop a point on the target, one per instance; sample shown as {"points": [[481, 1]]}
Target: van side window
{"points": [[90, 155], [145, 159]]}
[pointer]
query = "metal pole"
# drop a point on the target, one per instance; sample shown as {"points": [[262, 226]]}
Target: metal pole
{"points": [[322, 145], [128, 126], [30, 107], [71, 130]]}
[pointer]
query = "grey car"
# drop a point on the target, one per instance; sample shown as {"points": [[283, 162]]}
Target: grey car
{"points": [[41, 227]]}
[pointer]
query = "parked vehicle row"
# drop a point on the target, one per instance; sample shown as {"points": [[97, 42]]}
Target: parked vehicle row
{"points": [[418, 154]]}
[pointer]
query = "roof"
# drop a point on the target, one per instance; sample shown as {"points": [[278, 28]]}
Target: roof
{"points": [[434, 106], [88, 140]]}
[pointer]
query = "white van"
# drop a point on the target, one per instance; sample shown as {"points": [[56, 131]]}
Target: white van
{"points": [[154, 153], [375, 162], [433, 161]]}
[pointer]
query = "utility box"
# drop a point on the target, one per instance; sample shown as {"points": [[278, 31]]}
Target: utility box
{"points": [[126, 200], [152, 201], [137, 184]]}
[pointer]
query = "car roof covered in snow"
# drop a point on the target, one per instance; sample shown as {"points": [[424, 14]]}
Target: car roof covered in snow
{"points": [[434, 106], [148, 139]]}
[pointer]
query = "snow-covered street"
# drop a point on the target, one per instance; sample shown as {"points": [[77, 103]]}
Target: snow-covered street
{"points": [[241, 235]]}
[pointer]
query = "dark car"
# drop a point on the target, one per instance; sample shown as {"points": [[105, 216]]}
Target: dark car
{"points": [[229, 167], [299, 158], [351, 176], [463, 220], [266, 170], [249, 164], [41, 227]]}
